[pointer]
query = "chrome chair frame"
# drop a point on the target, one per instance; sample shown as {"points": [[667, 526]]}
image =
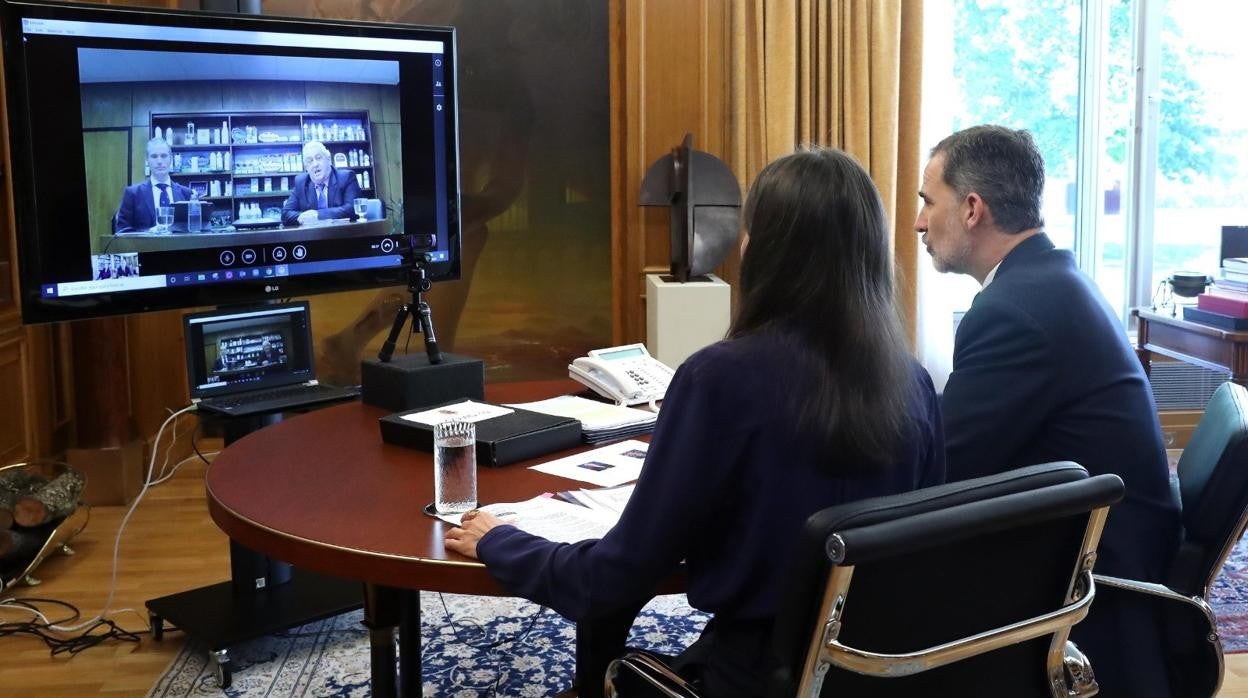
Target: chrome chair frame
{"points": [[1067, 673], [1065, 681]]}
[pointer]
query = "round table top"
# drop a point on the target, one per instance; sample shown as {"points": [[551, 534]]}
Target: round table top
{"points": [[324, 493]]}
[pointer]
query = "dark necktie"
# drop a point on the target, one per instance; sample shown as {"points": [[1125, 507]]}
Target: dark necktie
{"points": [[164, 194], [321, 200]]}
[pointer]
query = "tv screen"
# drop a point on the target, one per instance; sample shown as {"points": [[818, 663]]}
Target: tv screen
{"points": [[166, 159]]}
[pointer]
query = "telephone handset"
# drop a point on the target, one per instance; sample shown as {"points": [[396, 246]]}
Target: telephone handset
{"points": [[626, 374]]}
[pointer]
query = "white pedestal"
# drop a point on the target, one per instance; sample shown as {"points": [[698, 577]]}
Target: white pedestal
{"points": [[683, 318]]}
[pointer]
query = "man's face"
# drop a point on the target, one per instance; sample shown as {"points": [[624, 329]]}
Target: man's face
{"points": [[158, 159], [317, 166], [941, 223]]}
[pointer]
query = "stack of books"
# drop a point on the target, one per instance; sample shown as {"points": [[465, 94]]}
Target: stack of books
{"points": [[1234, 274], [601, 422], [1225, 305]]}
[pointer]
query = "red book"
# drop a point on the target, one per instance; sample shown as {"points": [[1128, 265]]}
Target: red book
{"points": [[1224, 302]]}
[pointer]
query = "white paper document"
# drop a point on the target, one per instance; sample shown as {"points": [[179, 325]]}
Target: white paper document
{"points": [[593, 415], [550, 518], [607, 499], [467, 411], [606, 467]]}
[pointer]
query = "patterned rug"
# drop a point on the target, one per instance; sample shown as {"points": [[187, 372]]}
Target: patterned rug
{"points": [[478, 646], [1229, 599], [473, 646]]}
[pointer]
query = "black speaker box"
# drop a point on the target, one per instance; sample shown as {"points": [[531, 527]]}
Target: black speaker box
{"points": [[410, 381]]}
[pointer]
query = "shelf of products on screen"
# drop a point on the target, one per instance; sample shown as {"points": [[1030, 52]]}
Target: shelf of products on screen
{"points": [[332, 132]]}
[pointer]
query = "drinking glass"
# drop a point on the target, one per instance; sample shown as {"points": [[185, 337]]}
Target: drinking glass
{"points": [[454, 467], [361, 205], [164, 219]]}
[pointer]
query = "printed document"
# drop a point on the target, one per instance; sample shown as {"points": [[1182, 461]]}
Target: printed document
{"points": [[592, 415], [607, 466], [467, 411], [607, 499], [550, 518]]}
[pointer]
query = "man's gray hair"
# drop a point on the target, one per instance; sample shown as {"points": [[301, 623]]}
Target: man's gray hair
{"points": [[1003, 166], [314, 148]]}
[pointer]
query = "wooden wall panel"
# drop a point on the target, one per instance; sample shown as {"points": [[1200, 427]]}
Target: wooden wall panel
{"points": [[15, 423], [668, 78]]}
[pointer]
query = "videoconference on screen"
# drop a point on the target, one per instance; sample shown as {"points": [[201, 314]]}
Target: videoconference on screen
{"points": [[215, 156]]}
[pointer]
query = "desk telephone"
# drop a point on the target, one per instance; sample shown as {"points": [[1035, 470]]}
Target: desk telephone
{"points": [[627, 374]]}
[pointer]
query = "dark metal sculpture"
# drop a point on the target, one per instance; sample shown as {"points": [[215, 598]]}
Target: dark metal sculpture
{"points": [[705, 201]]}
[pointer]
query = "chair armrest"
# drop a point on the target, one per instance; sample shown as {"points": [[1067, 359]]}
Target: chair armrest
{"points": [[908, 663], [652, 671], [1156, 590], [1189, 629]]}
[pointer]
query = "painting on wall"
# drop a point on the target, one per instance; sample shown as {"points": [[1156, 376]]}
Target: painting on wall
{"points": [[535, 291]]}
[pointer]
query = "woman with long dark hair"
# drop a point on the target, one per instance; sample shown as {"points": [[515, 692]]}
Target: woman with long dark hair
{"points": [[811, 401]]}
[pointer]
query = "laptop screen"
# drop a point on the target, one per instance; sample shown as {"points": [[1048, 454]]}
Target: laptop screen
{"points": [[234, 351]]}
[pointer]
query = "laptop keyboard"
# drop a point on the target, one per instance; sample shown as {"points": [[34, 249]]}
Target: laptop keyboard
{"points": [[288, 396]]}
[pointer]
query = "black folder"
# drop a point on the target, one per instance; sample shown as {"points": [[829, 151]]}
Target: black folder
{"points": [[501, 440]]}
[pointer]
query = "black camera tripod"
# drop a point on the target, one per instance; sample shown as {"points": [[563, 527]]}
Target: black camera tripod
{"points": [[417, 308]]}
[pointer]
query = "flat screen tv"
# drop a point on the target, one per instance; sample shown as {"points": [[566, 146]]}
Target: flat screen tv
{"points": [[168, 159]]}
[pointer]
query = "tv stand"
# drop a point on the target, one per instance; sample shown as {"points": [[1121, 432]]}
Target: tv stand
{"points": [[263, 595]]}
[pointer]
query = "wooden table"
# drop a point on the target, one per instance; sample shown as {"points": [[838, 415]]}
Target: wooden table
{"points": [[163, 242], [322, 492], [1192, 342]]}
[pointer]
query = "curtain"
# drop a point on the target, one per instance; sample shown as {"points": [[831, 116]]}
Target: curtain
{"points": [[844, 73]]}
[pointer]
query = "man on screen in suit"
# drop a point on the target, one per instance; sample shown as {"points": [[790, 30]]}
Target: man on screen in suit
{"points": [[321, 193], [137, 211], [1042, 371]]}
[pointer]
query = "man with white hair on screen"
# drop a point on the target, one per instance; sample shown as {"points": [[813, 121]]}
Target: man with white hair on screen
{"points": [[321, 193]]}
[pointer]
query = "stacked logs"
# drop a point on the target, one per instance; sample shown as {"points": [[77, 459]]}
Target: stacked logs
{"points": [[30, 507]]}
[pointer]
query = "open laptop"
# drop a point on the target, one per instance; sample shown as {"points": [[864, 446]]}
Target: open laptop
{"points": [[254, 360]]}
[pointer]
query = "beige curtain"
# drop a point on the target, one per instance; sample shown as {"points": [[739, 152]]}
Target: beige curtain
{"points": [[843, 73]]}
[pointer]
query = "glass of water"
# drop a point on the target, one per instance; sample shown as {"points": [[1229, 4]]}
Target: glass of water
{"points": [[164, 219], [454, 467], [361, 205]]}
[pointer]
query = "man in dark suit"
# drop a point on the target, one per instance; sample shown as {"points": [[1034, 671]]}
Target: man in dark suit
{"points": [[137, 211], [322, 192], [221, 363], [1042, 371]]}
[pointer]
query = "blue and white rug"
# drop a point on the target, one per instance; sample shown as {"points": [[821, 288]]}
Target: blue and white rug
{"points": [[473, 646]]}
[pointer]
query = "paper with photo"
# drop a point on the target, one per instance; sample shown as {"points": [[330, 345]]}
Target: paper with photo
{"points": [[606, 467], [550, 518], [467, 411]]}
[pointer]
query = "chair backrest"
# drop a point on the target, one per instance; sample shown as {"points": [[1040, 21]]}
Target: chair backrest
{"points": [[1213, 486], [936, 566]]}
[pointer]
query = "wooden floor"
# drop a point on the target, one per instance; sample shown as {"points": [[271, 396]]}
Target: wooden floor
{"points": [[170, 545]]}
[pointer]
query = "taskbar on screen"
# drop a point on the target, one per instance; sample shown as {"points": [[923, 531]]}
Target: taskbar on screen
{"points": [[214, 276]]}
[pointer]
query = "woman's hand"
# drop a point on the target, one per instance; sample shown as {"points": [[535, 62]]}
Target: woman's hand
{"points": [[473, 524]]}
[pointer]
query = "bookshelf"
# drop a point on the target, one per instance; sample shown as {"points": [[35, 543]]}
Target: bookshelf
{"points": [[243, 158], [244, 350]]}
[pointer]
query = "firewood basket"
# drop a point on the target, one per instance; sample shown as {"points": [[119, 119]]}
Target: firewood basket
{"points": [[59, 533]]}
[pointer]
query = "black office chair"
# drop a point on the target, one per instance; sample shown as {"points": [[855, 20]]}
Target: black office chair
{"points": [[968, 588], [1213, 492]]}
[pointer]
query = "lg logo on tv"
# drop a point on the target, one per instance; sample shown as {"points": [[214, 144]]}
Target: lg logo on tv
{"points": [[272, 289]]}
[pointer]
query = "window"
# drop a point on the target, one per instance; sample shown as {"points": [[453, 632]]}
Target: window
{"points": [[1134, 204], [1202, 134]]}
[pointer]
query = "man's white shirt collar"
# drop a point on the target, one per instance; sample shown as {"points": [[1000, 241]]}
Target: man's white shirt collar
{"points": [[991, 275]]}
